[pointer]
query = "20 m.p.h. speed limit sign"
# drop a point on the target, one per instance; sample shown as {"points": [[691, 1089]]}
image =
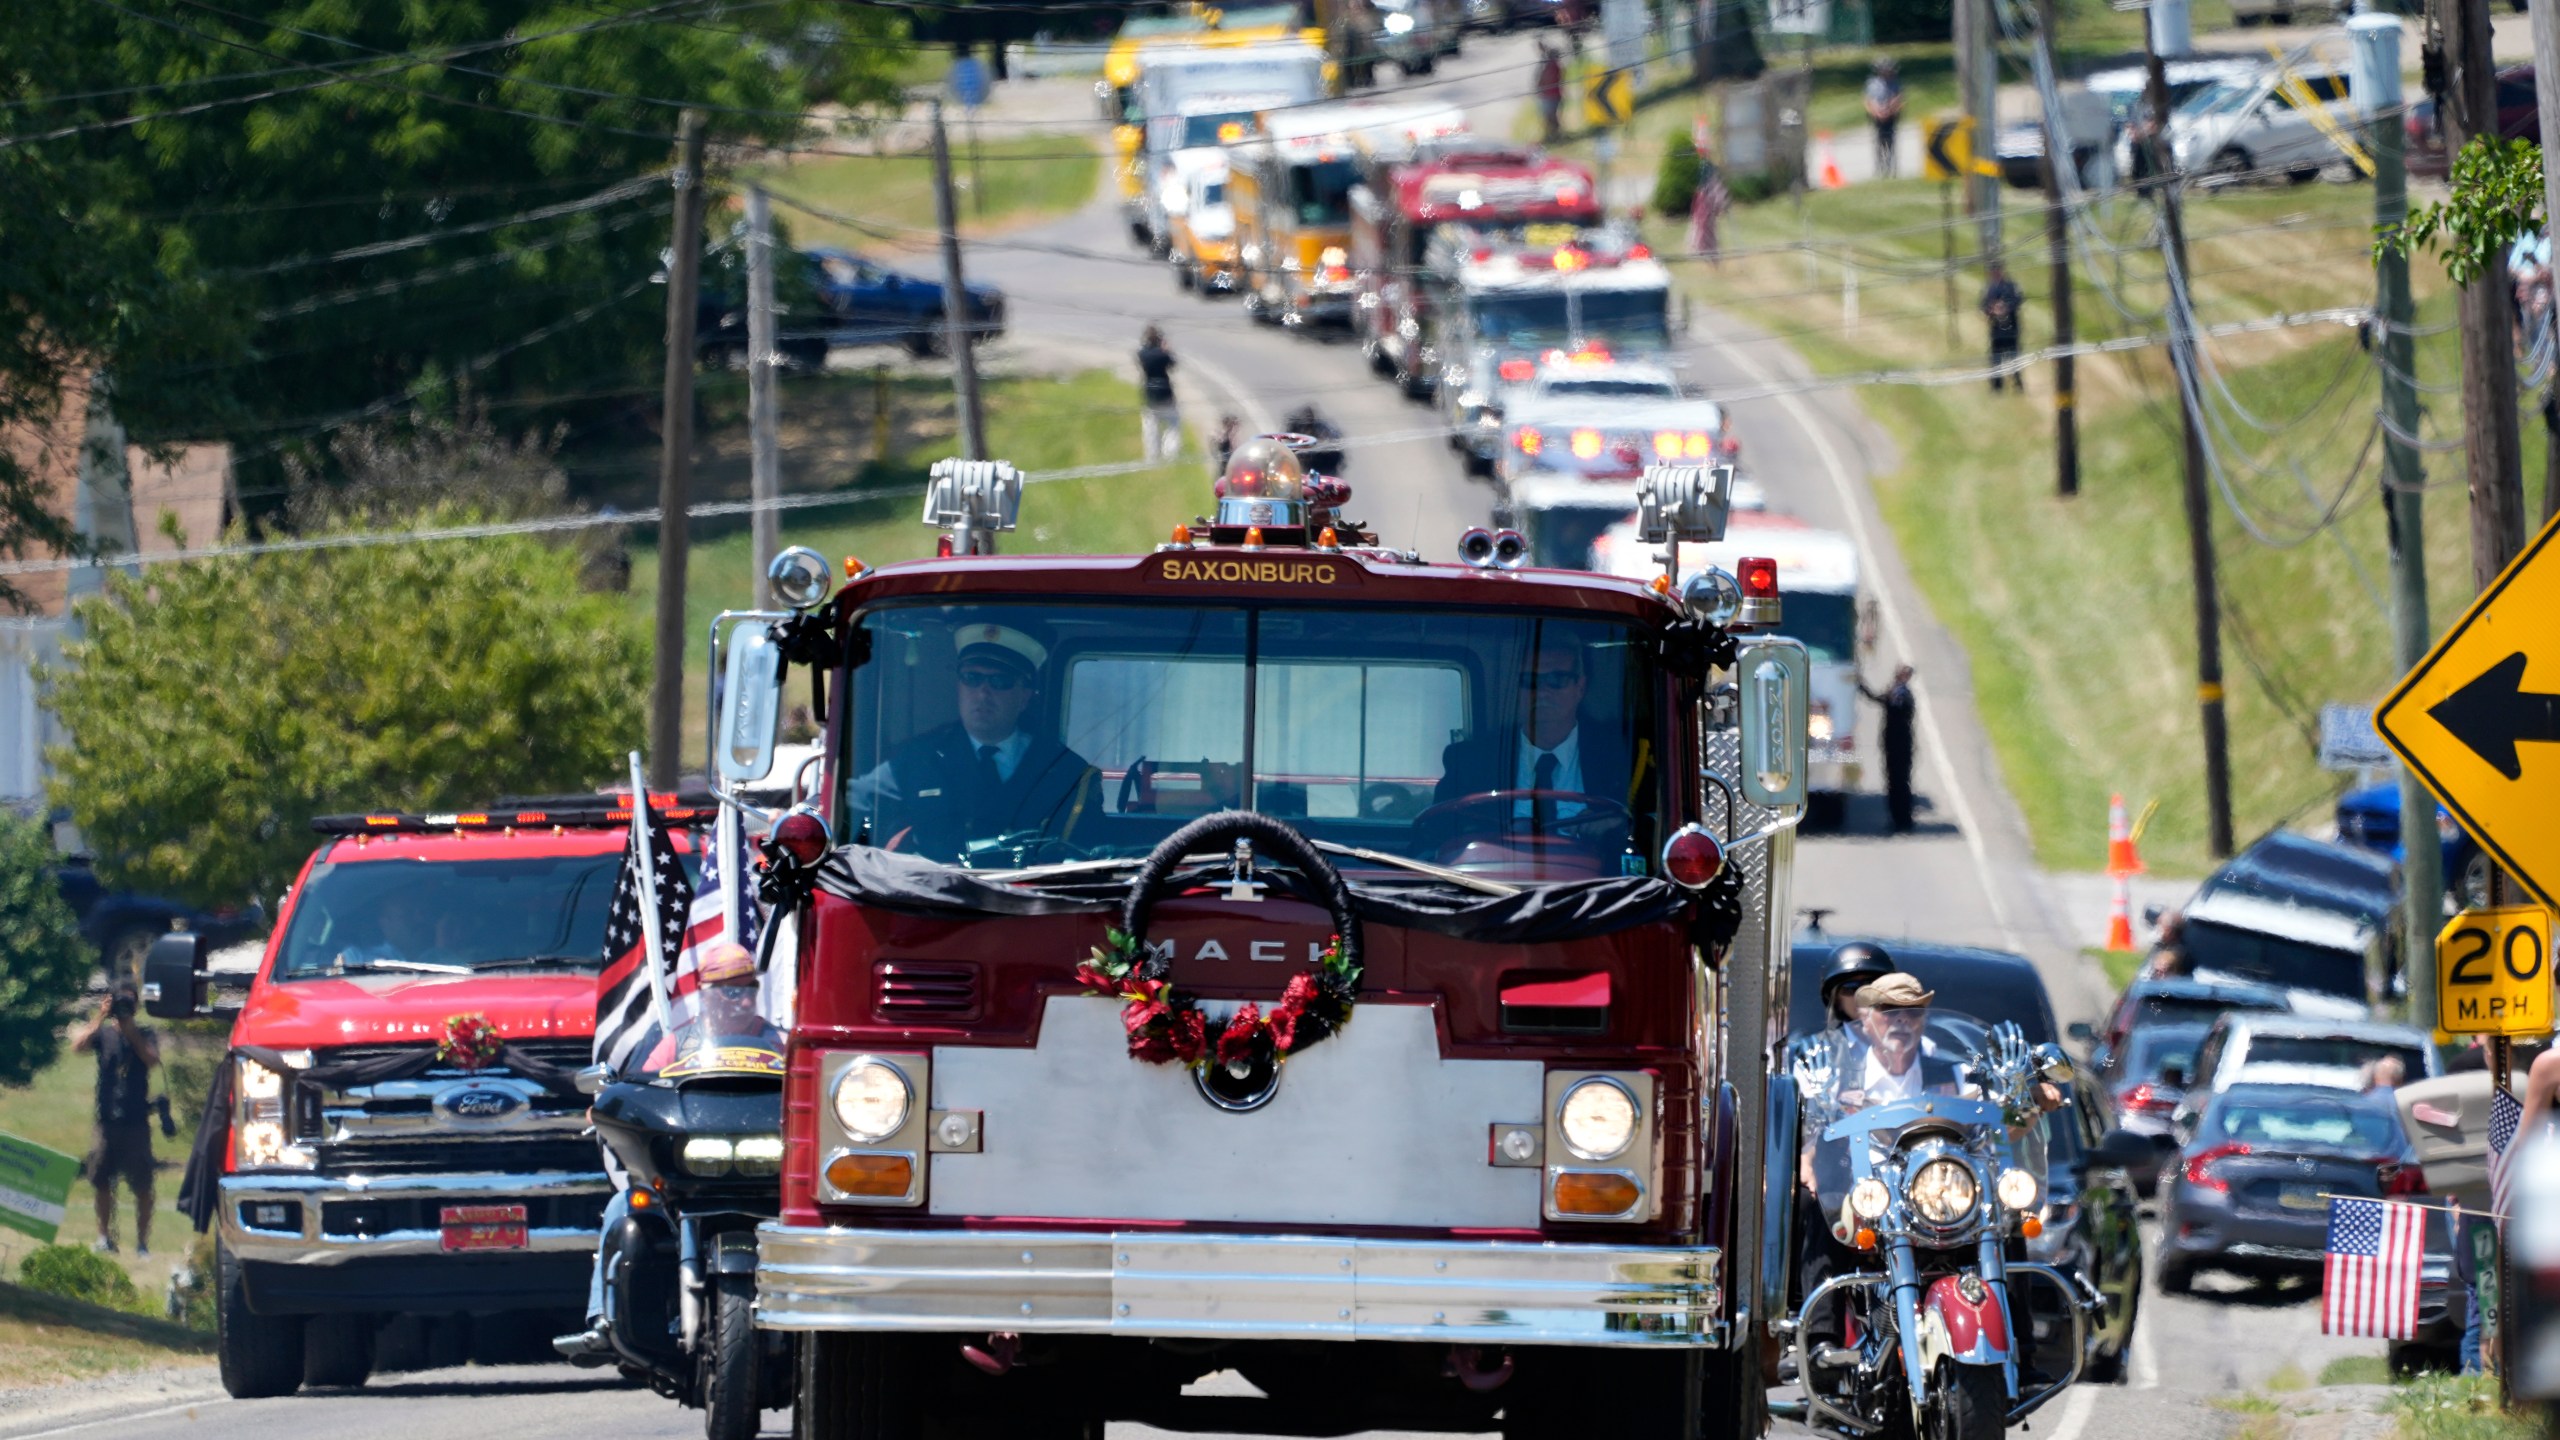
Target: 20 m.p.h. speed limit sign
{"points": [[2493, 972]]}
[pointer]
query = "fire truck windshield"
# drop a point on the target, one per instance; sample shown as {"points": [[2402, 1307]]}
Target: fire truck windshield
{"points": [[1005, 734], [1321, 192], [1541, 317], [437, 916]]}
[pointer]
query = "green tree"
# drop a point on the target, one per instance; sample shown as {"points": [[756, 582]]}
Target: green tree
{"points": [[43, 960], [2496, 195], [215, 707]]}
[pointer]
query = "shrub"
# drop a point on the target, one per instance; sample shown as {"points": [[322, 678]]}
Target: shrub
{"points": [[43, 960], [1675, 184], [79, 1274]]}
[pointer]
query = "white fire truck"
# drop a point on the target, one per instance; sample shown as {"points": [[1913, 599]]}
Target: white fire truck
{"points": [[1523, 295]]}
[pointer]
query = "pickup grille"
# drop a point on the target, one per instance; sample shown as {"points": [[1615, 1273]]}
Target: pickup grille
{"points": [[400, 1127], [921, 991]]}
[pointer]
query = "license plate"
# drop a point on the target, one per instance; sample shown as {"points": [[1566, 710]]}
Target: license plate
{"points": [[2302, 1197], [483, 1227]]}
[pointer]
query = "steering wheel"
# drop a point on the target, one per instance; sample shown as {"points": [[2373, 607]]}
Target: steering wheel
{"points": [[1599, 817]]}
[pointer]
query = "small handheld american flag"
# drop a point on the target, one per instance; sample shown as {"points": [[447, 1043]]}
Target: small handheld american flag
{"points": [[2505, 1114], [2369, 1283]]}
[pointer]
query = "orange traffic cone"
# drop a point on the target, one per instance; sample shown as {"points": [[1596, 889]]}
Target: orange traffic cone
{"points": [[2122, 858], [2120, 919], [1827, 165]]}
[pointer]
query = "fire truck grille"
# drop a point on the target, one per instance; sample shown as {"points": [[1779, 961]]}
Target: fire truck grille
{"points": [[910, 990]]}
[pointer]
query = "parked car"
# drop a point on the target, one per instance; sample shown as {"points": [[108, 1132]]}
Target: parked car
{"points": [[2295, 869], [2369, 818], [1415, 33], [2326, 962], [2146, 1079], [2245, 1049], [123, 923], [2249, 1194], [2089, 1213], [2173, 1000], [2249, 129], [2519, 118], [827, 298]]}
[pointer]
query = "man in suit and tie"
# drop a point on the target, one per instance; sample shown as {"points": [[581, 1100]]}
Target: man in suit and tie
{"points": [[985, 774], [1552, 752]]}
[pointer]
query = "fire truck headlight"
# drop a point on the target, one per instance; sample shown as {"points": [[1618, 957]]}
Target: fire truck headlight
{"points": [[1817, 725], [1598, 1118], [871, 1101]]}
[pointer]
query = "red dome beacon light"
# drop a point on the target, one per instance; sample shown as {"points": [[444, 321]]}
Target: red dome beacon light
{"points": [[800, 837], [1760, 604], [1693, 857]]}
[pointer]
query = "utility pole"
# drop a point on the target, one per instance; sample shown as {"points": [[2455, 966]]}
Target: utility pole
{"points": [[2546, 61], [675, 462], [956, 326], [764, 375], [2057, 239], [2377, 82], [2182, 350], [2492, 449], [1980, 42]]}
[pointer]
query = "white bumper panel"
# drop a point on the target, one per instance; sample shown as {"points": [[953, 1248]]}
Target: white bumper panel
{"points": [[1237, 1287], [1372, 1127]]}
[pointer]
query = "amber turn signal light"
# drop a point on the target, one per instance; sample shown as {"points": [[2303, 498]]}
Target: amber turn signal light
{"points": [[879, 1177], [1865, 1239], [1580, 1194], [2031, 1227]]}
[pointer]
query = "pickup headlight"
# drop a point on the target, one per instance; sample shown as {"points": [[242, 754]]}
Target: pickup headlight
{"points": [[1943, 1191], [871, 1100], [261, 1122]]}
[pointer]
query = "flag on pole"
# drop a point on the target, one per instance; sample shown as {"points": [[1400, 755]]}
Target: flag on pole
{"points": [[652, 902], [2369, 1283], [723, 894], [2506, 1113]]}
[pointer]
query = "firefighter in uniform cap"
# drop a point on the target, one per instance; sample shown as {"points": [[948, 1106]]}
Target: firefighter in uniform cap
{"points": [[985, 774]]}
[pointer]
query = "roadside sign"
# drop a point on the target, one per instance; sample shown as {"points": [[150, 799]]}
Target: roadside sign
{"points": [[1949, 153], [969, 81], [35, 1184], [1609, 98], [2493, 973], [2479, 719]]}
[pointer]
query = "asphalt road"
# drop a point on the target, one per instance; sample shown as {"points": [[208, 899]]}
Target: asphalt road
{"points": [[1967, 876]]}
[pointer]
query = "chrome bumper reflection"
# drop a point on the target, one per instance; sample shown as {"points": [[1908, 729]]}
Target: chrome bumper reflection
{"points": [[1238, 1287], [313, 1244]]}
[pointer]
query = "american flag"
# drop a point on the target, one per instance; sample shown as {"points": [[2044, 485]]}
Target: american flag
{"points": [[625, 1018], [2369, 1286], [708, 917], [2506, 1113]]}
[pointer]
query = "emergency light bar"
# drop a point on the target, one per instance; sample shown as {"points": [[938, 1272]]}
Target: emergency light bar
{"points": [[578, 812]]}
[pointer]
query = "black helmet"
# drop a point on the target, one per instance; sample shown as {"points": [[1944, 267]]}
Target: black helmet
{"points": [[1854, 964]]}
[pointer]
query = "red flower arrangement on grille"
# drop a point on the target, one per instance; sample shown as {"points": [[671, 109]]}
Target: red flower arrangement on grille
{"points": [[1167, 1027], [470, 1041]]}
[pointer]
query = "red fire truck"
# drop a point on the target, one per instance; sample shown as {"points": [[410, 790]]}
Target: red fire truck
{"points": [[1460, 180], [1199, 973], [397, 1129]]}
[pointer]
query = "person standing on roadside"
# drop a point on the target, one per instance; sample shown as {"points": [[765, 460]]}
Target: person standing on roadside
{"points": [[1884, 111], [1901, 708], [1160, 423], [127, 1051], [2001, 303], [1551, 91]]}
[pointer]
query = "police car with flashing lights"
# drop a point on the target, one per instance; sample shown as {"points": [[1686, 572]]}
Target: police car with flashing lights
{"points": [[1531, 298]]}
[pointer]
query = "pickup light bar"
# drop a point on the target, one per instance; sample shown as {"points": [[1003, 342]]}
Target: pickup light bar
{"points": [[584, 814]]}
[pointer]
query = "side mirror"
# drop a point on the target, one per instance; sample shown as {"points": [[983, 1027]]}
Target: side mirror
{"points": [[2151, 915], [1773, 674], [750, 706], [173, 980], [2081, 1031], [593, 1079], [2121, 1149]]}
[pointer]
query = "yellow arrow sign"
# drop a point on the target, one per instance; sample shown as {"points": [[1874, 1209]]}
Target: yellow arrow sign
{"points": [[1947, 153], [1609, 99], [2493, 973], [2479, 719]]}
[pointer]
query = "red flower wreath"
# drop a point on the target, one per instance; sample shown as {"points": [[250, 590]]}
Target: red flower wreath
{"points": [[1166, 1026], [470, 1041]]}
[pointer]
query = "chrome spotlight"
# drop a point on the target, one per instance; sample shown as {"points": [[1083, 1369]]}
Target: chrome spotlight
{"points": [[799, 577]]}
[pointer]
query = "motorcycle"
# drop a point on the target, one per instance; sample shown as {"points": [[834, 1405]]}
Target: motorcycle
{"points": [[1928, 1193], [698, 1124]]}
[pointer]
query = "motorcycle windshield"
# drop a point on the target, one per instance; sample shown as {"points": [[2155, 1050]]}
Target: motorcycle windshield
{"points": [[720, 1035], [1900, 1078]]}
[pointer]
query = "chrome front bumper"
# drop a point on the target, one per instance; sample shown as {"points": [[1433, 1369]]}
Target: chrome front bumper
{"points": [[1238, 1287], [309, 1241]]}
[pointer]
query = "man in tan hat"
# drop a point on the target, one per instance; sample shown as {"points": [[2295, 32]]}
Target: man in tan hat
{"points": [[1894, 1065], [991, 772]]}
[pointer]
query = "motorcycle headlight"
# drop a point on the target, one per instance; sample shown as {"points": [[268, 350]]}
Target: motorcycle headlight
{"points": [[1598, 1118], [871, 1101], [1868, 1198], [759, 1155], [2018, 1189], [708, 1154], [1943, 1191]]}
